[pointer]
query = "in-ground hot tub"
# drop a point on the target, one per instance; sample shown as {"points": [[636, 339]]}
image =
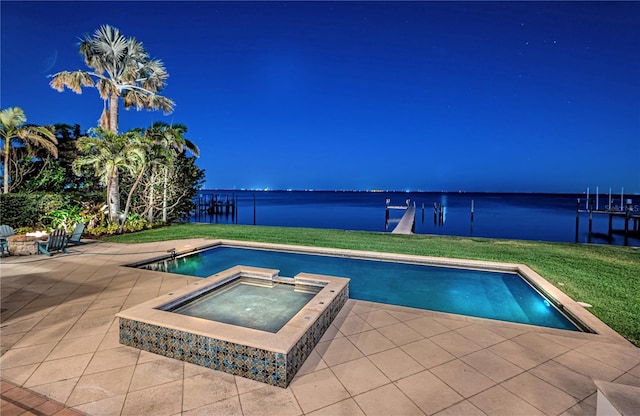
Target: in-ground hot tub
{"points": [[244, 321], [262, 304]]}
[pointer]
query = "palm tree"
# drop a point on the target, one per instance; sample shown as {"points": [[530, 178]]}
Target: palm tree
{"points": [[158, 158], [138, 160], [108, 153], [121, 68], [13, 132], [171, 141]]}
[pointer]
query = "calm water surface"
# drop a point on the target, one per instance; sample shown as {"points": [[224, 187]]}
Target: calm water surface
{"points": [[541, 217], [493, 295]]}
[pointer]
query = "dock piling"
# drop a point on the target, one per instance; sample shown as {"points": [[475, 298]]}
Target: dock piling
{"points": [[626, 211], [586, 201], [472, 210], [590, 204], [627, 215], [235, 206], [577, 219], [210, 207]]}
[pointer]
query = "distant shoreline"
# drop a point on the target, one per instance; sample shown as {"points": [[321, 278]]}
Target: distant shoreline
{"points": [[375, 191]]}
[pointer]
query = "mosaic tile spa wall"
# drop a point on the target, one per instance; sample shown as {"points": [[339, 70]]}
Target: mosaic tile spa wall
{"points": [[258, 364]]}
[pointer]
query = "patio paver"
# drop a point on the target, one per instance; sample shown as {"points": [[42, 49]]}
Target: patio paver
{"points": [[60, 354]]}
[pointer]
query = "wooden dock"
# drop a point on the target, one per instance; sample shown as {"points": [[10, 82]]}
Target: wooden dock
{"points": [[407, 222], [628, 214], [209, 207]]}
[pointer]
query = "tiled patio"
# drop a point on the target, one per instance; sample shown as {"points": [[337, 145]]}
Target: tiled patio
{"points": [[59, 340]]}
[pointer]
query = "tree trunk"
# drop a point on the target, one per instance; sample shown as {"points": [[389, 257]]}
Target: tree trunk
{"points": [[113, 187], [113, 113], [128, 204], [6, 165], [113, 190], [164, 196], [104, 117], [151, 198]]}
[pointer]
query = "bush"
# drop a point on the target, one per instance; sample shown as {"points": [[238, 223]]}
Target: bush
{"points": [[101, 230], [26, 209], [38, 210], [42, 209], [136, 222], [65, 218]]}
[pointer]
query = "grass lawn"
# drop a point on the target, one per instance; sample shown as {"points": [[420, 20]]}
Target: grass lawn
{"points": [[607, 277]]}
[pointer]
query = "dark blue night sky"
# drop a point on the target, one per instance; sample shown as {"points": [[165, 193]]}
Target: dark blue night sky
{"points": [[473, 96]]}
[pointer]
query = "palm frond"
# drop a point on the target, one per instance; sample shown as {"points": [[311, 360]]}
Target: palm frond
{"points": [[134, 98], [86, 51], [106, 88], [12, 117], [109, 45], [192, 147], [153, 76], [136, 51], [158, 102], [40, 137], [74, 80]]}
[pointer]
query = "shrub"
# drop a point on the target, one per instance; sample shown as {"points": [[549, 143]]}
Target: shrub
{"points": [[135, 222], [101, 230], [65, 218], [26, 209]]}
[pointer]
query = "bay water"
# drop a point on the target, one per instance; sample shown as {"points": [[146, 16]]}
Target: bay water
{"points": [[543, 217]]}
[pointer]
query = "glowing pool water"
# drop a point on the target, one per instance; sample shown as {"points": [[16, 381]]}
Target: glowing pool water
{"points": [[486, 290]]}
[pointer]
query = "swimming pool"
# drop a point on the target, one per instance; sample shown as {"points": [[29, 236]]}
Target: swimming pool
{"points": [[493, 294]]}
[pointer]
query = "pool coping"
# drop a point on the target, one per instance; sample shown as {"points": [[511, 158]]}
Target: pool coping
{"points": [[561, 300]]}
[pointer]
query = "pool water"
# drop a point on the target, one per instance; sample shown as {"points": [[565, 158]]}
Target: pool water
{"points": [[503, 296], [266, 307]]}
